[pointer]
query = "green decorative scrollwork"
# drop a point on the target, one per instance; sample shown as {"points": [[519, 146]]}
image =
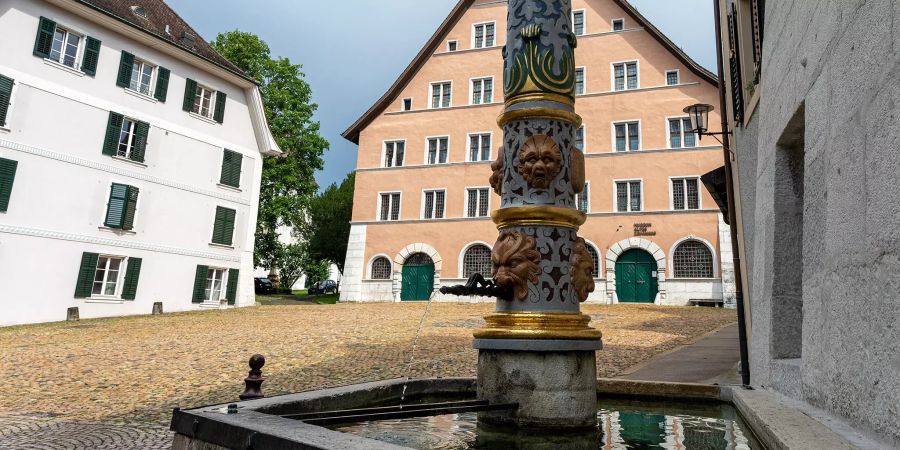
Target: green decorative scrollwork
{"points": [[538, 65]]}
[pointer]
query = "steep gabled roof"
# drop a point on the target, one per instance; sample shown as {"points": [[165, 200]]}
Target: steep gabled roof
{"points": [[158, 19], [352, 133]]}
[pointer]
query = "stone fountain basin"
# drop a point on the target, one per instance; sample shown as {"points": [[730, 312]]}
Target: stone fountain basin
{"points": [[258, 423]]}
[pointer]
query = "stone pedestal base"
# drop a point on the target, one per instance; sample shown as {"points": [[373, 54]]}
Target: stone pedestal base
{"points": [[554, 389]]}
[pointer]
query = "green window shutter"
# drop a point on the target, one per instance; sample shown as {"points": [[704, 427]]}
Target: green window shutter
{"points": [[231, 168], [130, 208], [115, 209], [162, 84], [231, 291], [113, 132], [126, 64], [190, 91], [7, 176], [44, 40], [91, 56], [200, 283], [132, 273], [86, 275], [6, 87], [223, 226], [141, 131], [219, 114]]}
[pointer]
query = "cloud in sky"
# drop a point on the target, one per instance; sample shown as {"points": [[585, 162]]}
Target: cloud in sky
{"points": [[352, 51]]}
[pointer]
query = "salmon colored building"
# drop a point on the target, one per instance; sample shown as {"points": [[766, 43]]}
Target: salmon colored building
{"points": [[421, 210]]}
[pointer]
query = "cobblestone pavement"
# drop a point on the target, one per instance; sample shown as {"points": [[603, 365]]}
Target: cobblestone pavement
{"points": [[112, 383]]}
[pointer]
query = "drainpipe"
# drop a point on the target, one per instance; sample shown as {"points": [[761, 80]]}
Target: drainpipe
{"points": [[732, 209]]}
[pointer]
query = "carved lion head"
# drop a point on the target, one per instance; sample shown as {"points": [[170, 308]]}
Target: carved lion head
{"points": [[582, 269], [515, 262], [540, 161], [497, 174]]}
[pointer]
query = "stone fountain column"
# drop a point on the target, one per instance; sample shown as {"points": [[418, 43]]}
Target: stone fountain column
{"points": [[537, 348]]}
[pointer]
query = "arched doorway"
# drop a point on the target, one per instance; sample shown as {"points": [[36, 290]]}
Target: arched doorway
{"points": [[636, 277], [418, 278]]}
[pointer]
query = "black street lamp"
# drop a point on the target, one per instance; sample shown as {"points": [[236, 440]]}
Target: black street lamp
{"points": [[699, 114]]}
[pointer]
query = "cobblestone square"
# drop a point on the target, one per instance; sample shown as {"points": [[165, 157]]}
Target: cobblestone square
{"points": [[112, 383]]}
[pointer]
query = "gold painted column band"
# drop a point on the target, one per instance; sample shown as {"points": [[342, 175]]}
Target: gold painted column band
{"points": [[546, 216], [538, 325], [540, 97], [539, 113]]}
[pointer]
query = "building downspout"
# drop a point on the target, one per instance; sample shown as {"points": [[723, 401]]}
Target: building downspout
{"points": [[732, 213]]}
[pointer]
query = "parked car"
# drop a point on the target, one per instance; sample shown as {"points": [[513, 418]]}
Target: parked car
{"points": [[263, 285], [324, 287]]}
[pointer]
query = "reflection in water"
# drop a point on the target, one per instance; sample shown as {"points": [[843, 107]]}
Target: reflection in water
{"points": [[624, 425]]}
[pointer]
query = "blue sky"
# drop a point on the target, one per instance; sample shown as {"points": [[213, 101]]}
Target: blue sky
{"points": [[353, 50]]}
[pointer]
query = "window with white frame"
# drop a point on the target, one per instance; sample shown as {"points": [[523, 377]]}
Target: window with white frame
{"points": [[482, 91], [680, 135], [215, 281], [479, 147], [66, 47], [628, 196], [672, 78], [628, 136], [692, 259], [579, 81], [438, 147], [452, 46], [389, 206], [393, 153], [441, 94], [477, 259], [618, 24], [141, 76], [106, 276], [126, 138], [578, 22], [434, 204], [685, 193], [407, 104], [579, 138], [582, 199], [625, 76], [484, 35], [595, 257], [203, 101], [477, 200], [381, 268]]}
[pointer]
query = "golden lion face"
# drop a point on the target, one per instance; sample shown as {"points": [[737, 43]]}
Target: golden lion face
{"points": [[515, 262], [582, 269], [540, 161]]}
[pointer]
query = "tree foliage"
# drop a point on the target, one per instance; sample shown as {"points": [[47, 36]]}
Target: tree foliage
{"points": [[291, 264], [288, 182], [328, 228], [316, 270]]}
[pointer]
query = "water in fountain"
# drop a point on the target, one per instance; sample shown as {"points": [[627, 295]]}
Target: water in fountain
{"points": [[412, 353]]}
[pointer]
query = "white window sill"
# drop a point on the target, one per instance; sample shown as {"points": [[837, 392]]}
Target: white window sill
{"points": [[129, 161], [223, 246], [215, 305], [203, 118], [140, 95], [108, 301], [117, 231], [230, 188], [5, 130], [63, 67]]}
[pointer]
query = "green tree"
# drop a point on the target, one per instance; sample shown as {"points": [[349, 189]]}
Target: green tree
{"points": [[316, 270], [291, 263], [288, 182], [328, 227]]}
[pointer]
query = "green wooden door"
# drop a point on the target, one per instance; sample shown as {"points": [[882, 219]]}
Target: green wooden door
{"points": [[636, 277], [418, 278]]}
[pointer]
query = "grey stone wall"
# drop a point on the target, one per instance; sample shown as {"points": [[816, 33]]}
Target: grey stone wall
{"points": [[838, 63]]}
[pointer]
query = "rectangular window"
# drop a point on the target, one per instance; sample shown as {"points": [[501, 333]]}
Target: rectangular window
{"points": [[6, 88], [582, 199], [579, 138], [482, 91], [452, 46], [203, 101], [393, 153], [7, 177], [438, 149], [141, 77], [389, 206], [407, 104], [126, 137], [215, 280], [685, 193], [231, 168], [479, 147], [477, 202], [65, 48], [578, 22], [223, 226], [627, 136], [484, 35], [106, 276], [618, 24], [579, 81], [672, 78], [434, 204], [625, 76], [628, 196], [440, 94], [122, 206], [680, 135]]}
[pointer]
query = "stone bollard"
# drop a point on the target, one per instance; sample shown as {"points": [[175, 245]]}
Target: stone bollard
{"points": [[253, 382], [72, 314], [157, 308]]}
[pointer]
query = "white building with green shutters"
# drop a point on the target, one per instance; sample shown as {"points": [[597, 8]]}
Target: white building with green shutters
{"points": [[130, 163]]}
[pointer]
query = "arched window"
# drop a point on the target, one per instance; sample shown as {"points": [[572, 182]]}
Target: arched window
{"points": [[693, 259], [477, 260], [381, 268], [596, 258]]}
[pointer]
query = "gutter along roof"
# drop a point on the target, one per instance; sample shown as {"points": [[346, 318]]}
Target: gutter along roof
{"points": [[352, 133]]}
